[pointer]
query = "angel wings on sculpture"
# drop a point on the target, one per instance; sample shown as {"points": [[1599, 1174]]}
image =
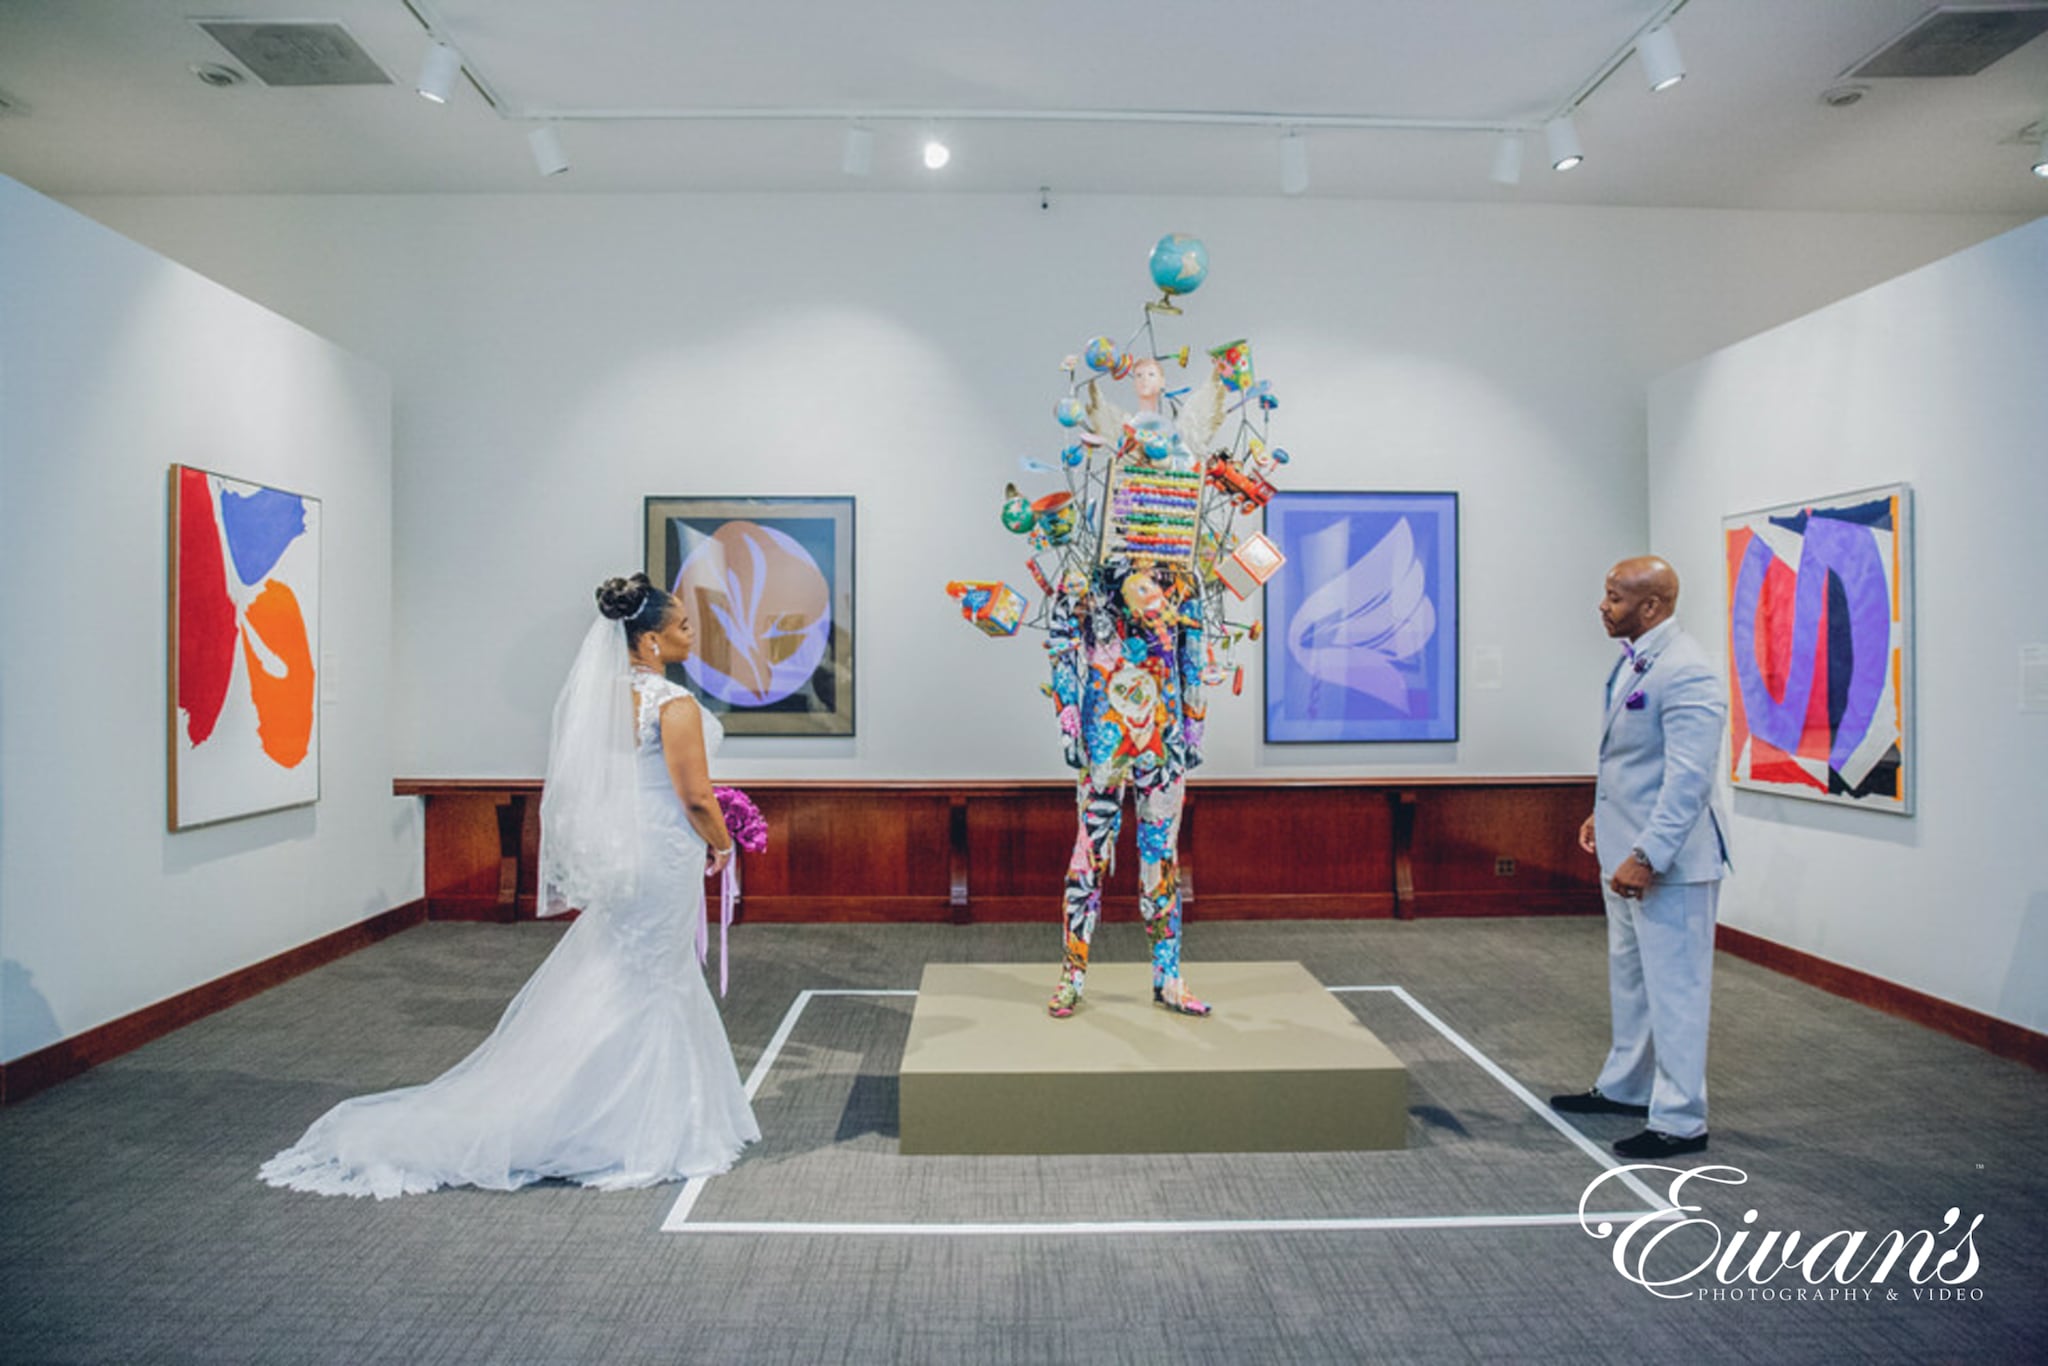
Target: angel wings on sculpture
{"points": [[1196, 417]]}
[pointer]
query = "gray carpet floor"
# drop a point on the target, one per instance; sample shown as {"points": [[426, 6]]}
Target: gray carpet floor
{"points": [[132, 1227]]}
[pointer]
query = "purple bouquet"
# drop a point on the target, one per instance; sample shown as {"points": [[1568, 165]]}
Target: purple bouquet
{"points": [[743, 819]]}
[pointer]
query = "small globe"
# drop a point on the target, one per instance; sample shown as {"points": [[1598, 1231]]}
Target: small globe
{"points": [[1070, 412], [1099, 353], [1154, 435], [1179, 263]]}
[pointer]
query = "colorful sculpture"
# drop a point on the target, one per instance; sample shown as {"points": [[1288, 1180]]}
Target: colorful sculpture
{"points": [[1141, 555]]}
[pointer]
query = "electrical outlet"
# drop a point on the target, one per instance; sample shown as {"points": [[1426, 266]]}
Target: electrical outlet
{"points": [[1503, 867]]}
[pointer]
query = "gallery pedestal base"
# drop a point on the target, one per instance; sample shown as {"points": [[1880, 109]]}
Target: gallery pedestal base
{"points": [[1280, 1067]]}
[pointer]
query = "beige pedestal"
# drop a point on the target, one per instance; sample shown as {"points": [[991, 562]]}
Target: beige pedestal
{"points": [[1281, 1066]]}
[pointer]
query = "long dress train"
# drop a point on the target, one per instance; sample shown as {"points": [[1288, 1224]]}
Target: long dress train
{"points": [[610, 1068]]}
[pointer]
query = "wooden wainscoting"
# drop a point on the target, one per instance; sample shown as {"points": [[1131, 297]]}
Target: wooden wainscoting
{"points": [[964, 852]]}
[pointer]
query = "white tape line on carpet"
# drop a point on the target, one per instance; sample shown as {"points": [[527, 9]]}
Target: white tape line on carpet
{"points": [[679, 1214]]}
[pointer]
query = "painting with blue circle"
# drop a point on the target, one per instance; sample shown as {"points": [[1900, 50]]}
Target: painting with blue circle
{"points": [[1361, 631]]}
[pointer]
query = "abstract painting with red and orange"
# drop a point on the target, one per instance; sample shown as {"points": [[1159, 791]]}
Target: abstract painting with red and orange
{"points": [[245, 648]]}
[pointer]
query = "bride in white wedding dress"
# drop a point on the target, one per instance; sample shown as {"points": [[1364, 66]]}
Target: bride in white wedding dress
{"points": [[610, 1068]]}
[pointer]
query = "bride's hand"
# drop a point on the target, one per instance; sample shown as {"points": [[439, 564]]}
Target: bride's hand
{"points": [[719, 858]]}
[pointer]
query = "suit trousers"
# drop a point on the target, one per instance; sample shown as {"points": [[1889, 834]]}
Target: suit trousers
{"points": [[1660, 978]]}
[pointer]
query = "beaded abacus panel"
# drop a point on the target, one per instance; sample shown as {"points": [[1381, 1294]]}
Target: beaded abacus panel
{"points": [[1153, 513]]}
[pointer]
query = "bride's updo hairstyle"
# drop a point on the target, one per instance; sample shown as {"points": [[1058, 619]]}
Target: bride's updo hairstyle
{"points": [[637, 603]]}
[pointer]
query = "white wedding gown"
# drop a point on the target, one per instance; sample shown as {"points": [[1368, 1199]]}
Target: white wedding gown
{"points": [[610, 1068]]}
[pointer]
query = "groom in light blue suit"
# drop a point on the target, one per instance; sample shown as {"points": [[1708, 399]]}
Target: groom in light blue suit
{"points": [[1661, 838]]}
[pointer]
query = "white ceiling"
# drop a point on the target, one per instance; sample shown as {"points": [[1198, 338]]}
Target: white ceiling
{"points": [[107, 103]]}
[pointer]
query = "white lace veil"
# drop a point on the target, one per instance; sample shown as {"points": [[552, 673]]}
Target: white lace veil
{"points": [[589, 808]]}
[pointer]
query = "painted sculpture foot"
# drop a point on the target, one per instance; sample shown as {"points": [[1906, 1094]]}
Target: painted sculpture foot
{"points": [[1176, 997], [1064, 1000]]}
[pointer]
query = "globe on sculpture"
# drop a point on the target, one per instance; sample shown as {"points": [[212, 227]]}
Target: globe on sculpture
{"points": [[1099, 353], [1179, 263], [1153, 435]]}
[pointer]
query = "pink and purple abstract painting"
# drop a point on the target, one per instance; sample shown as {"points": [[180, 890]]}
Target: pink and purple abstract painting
{"points": [[1819, 658]]}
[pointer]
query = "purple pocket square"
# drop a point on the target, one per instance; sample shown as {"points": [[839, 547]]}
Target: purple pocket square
{"points": [[1636, 701]]}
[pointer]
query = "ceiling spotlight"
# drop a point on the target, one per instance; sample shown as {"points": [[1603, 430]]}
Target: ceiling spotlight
{"points": [[857, 154], [1658, 51], [936, 154], [2041, 157], [1507, 160], [1563, 140], [548, 156], [1293, 164], [214, 74], [437, 72]]}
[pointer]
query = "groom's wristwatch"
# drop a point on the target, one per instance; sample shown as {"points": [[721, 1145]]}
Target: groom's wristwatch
{"points": [[1640, 857]]}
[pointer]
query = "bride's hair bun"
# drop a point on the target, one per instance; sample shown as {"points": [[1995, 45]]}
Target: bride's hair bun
{"points": [[618, 599]]}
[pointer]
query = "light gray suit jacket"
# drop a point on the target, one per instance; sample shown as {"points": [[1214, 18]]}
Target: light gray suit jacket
{"points": [[1658, 761]]}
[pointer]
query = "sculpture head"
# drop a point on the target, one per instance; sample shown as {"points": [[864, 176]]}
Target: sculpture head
{"points": [[1146, 599], [1148, 382]]}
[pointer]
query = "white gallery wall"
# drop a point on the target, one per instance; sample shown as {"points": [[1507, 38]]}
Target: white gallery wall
{"points": [[114, 364], [558, 357], [1939, 379]]}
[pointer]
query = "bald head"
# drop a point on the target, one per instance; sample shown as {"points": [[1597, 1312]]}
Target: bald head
{"points": [[1649, 574], [1640, 593]]}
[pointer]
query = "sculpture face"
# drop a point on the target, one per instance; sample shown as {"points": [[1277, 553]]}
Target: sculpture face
{"points": [[1134, 696], [1147, 383], [1146, 599]]}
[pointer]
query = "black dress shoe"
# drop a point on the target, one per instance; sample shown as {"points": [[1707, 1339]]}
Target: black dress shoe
{"points": [[1653, 1144], [1591, 1102]]}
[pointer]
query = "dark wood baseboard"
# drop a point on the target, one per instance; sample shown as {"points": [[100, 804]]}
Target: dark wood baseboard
{"points": [[44, 1068], [1987, 1032]]}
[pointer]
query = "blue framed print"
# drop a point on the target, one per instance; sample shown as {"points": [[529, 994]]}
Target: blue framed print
{"points": [[1361, 630]]}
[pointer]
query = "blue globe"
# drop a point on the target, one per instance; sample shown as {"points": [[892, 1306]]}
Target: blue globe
{"points": [[1179, 263]]}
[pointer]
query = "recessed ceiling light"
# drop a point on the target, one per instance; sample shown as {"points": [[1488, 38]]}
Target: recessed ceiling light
{"points": [[2041, 158], [936, 154], [214, 74], [1842, 96]]}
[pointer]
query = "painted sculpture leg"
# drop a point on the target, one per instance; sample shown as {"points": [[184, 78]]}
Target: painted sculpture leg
{"points": [[1159, 808], [1100, 810]]}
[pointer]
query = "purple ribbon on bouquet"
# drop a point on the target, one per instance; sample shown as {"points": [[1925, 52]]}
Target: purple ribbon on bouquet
{"points": [[749, 831]]}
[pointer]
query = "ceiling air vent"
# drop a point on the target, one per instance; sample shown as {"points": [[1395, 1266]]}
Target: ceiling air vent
{"points": [[296, 53], [1955, 40]]}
